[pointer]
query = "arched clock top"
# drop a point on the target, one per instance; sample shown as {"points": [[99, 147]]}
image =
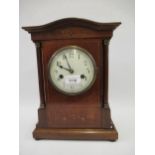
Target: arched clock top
{"points": [[71, 28], [73, 22]]}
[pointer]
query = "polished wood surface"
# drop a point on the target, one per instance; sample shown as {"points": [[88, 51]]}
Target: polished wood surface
{"points": [[85, 116], [76, 134], [73, 22]]}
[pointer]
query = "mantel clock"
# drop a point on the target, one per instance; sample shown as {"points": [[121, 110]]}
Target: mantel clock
{"points": [[72, 57]]}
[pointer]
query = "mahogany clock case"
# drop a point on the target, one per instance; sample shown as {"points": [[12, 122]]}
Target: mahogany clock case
{"points": [[84, 116]]}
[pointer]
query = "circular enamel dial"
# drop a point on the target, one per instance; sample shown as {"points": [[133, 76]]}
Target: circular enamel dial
{"points": [[72, 70]]}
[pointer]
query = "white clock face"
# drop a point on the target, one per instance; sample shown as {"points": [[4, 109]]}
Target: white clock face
{"points": [[72, 70]]}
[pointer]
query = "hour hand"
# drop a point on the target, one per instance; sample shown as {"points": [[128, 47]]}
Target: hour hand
{"points": [[62, 67]]}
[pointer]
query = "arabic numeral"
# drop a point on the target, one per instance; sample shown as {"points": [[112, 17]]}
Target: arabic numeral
{"points": [[88, 70], [58, 63], [71, 87], [56, 71], [63, 56], [71, 54], [85, 62], [78, 56]]}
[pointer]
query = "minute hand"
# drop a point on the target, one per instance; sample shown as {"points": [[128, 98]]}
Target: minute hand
{"points": [[68, 63]]}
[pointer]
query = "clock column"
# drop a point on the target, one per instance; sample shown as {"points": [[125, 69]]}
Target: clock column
{"points": [[104, 57], [41, 111], [40, 74], [104, 74]]}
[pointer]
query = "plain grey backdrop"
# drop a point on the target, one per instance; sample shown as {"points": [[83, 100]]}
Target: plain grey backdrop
{"points": [[121, 74]]}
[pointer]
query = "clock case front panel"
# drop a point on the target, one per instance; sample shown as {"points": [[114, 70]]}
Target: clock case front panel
{"points": [[59, 113]]}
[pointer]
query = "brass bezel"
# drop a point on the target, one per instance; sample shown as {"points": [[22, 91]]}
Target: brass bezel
{"points": [[82, 50]]}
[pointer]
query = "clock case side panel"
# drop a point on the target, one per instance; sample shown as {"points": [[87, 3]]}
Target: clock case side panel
{"points": [[41, 111]]}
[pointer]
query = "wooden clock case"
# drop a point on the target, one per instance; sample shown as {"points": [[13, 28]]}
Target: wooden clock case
{"points": [[86, 116]]}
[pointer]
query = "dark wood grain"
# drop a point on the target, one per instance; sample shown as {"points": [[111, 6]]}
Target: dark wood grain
{"points": [[85, 116]]}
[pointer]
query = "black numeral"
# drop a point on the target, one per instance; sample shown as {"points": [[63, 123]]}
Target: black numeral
{"points": [[56, 71], [63, 56], [71, 87], [88, 70], [58, 63], [85, 62], [78, 56], [71, 54]]}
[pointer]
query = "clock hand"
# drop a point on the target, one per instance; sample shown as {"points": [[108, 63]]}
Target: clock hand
{"points": [[67, 69], [68, 62]]}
